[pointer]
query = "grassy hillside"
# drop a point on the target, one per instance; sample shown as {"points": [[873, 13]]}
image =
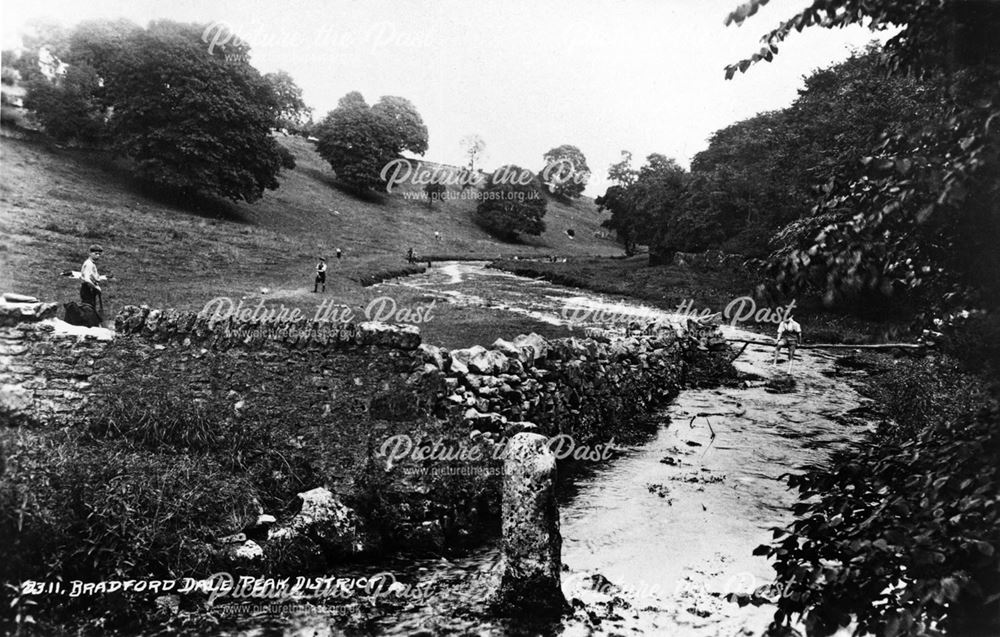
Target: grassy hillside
{"points": [[54, 202]]}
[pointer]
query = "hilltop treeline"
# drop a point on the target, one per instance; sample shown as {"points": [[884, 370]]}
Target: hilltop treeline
{"points": [[876, 187]]}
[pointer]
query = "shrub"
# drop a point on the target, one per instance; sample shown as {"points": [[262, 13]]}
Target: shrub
{"points": [[509, 207], [434, 192], [975, 340], [900, 535]]}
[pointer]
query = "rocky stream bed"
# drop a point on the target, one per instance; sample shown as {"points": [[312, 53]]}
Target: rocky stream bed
{"points": [[658, 540]]}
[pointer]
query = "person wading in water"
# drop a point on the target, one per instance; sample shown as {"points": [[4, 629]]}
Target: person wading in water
{"points": [[789, 335]]}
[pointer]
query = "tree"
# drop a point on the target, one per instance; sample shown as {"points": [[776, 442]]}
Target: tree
{"points": [[434, 192], [566, 172], [642, 200], [900, 537], [406, 127], [191, 121], [616, 200], [474, 148], [68, 106], [292, 110], [72, 104], [622, 173], [511, 204], [763, 173], [359, 140], [919, 213]]}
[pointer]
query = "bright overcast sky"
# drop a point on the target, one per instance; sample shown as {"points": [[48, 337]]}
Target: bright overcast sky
{"points": [[526, 75]]}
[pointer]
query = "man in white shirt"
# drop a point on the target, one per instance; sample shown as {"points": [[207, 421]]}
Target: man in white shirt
{"points": [[90, 286], [320, 275], [789, 335]]}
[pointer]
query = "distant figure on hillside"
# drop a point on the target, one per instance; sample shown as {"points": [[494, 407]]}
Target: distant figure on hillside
{"points": [[338, 254], [789, 335], [409, 255], [90, 286], [437, 235], [320, 275]]}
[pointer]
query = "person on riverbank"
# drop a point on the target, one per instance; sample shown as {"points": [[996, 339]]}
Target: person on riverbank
{"points": [[789, 335], [90, 278], [320, 275]]}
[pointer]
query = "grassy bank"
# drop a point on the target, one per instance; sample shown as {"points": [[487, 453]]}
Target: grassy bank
{"points": [[703, 288], [55, 202]]}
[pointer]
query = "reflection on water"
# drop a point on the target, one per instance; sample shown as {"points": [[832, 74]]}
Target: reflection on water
{"points": [[653, 540]]}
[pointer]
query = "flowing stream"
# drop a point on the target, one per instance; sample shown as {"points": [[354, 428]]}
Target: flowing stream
{"points": [[658, 540]]}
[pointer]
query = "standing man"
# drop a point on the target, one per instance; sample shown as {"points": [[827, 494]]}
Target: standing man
{"points": [[338, 254], [320, 275], [90, 286], [789, 335]]}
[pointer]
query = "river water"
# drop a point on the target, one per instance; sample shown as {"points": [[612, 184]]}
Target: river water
{"points": [[656, 541]]}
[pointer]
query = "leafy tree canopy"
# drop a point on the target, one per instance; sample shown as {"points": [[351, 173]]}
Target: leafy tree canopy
{"points": [[901, 536], [511, 204], [360, 140], [292, 110], [642, 200], [566, 172], [192, 121], [919, 213]]}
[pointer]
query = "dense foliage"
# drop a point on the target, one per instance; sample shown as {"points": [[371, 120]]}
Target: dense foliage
{"points": [[359, 140], [293, 114], [919, 214], [762, 174], [901, 535], [191, 120], [434, 192], [566, 172], [511, 204], [641, 200]]}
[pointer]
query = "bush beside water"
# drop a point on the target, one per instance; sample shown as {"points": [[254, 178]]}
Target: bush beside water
{"points": [[901, 532]]}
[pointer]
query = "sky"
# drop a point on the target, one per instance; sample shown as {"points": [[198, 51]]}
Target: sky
{"points": [[525, 75]]}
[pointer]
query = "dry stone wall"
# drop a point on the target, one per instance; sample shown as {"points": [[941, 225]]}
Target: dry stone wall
{"points": [[334, 386]]}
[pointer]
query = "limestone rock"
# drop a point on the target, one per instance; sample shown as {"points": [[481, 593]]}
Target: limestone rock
{"points": [[532, 346], [15, 398], [484, 421], [246, 551], [324, 519], [12, 314], [532, 542], [461, 359], [433, 354], [488, 361]]}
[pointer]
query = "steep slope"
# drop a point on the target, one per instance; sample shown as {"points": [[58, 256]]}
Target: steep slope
{"points": [[54, 202]]}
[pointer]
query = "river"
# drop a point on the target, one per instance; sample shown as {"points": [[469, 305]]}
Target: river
{"points": [[654, 541]]}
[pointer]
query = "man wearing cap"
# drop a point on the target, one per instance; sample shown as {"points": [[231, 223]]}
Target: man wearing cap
{"points": [[90, 288], [320, 275]]}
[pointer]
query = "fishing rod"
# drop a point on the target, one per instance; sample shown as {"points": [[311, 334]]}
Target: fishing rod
{"points": [[836, 345]]}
